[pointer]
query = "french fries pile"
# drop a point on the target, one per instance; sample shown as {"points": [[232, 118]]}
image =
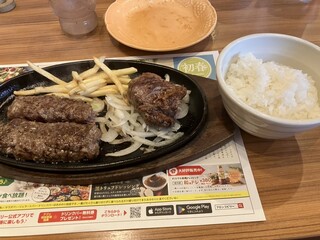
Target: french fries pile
{"points": [[95, 82]]}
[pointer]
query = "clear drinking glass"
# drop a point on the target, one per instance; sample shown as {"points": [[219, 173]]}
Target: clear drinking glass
{"points": [[76, 17]]}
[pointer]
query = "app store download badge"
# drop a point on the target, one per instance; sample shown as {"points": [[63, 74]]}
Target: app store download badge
{"points": [[160, 210], [199, 208]]}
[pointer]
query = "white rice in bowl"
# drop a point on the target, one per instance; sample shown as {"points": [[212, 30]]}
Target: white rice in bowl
{"points": [[274, 89]]}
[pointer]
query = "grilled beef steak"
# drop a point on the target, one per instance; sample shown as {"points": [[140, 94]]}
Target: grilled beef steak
{"points": [[50, 109], [49, 142], [155, 99]]}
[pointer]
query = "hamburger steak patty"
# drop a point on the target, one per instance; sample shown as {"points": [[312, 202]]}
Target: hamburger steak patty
{"points": [[46, 108], [49, 142], [155, 99]]}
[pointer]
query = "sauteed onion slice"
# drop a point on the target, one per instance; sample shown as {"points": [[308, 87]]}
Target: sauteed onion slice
{"points": [[122, 122]]}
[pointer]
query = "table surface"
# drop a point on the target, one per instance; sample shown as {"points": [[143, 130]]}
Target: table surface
{"points": [[286, 171]]}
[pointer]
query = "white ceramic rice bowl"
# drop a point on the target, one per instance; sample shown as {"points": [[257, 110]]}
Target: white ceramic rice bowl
{"points": [[283, 49]]}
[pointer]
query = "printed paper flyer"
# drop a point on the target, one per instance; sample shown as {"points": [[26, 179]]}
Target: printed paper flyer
{"points": [[216, 188]]}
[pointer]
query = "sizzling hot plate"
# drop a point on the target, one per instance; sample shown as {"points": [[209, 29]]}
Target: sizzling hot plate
{"points": [[191, 124]]}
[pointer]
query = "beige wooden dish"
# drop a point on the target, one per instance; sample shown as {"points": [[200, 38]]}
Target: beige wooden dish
{"points": [[160, 25]]}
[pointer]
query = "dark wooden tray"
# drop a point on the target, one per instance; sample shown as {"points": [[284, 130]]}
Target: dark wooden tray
{"points": [[218, 129]]}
